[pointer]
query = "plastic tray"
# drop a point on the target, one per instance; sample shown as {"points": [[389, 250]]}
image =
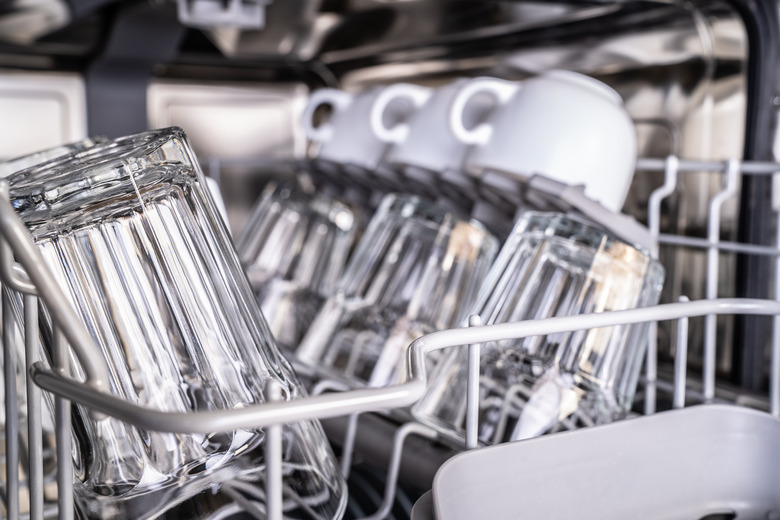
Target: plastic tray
{"points": [[719, 460]]}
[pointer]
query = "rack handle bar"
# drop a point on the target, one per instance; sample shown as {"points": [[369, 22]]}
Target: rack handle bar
{"points": [[373, 399]]}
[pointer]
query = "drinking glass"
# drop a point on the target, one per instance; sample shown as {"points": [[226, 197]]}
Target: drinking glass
{"points": [[551, 265], [416, 269], [294, 248], [49, 462], [132, 235], [7, 168]]}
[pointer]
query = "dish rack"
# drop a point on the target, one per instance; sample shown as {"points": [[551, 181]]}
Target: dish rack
{"points": [[23, 270]]}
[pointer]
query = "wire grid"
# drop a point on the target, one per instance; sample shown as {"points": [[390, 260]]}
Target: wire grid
{"points": [[30, 277], [730, 171]]}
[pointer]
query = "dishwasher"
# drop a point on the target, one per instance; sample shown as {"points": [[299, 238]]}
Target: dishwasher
{"points": [[268, 109]]}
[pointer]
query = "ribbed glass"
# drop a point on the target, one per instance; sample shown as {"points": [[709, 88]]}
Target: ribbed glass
{"points": [[132, 235], [551, 265], [416, 269], [294, 249]]}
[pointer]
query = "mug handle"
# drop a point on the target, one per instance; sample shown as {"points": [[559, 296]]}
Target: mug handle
{"points": [[500, 89], [416, 94], [338, 99]]}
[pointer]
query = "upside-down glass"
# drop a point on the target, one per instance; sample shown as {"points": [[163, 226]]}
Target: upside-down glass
{"points": [[49, 463], [416, 269], [294, 248], [551, 265], [132, 235], [14, 165]]}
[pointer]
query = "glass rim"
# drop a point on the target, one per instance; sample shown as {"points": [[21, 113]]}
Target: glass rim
{"points": [[427, 209], [293, 192], [553, 216], [36, 190], [89, 158]]}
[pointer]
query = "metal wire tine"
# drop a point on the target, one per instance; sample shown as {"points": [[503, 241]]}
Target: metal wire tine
{"points": [[63, 435], [472, 389], [11, 410], [15, 233], [34, 428], [391, 484], [731, 169], [671, 168], [651, 368], [680, 360], [273, 458], [348, 449]]}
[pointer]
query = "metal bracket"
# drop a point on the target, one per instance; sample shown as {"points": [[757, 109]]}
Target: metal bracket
{"points": [[241, 14]]}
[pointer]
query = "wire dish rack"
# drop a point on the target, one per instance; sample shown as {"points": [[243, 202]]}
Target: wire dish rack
{"points": [[22, 269]]}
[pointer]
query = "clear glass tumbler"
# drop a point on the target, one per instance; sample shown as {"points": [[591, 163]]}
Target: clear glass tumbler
{"points": [[416, 269], [294, 248], [551, 265], [132, 235], [49, 463]]}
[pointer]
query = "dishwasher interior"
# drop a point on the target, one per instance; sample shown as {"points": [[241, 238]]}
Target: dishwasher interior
{"points": [[699, 82]]}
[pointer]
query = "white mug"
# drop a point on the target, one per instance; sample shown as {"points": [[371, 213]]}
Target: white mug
{"points": [[347, 137], [562, 125], [422, 141]]}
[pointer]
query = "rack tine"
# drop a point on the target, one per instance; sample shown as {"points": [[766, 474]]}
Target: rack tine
{"points": [[62, 425], [273, 458], [472, 392], [680, 360], [352, 425], [671, 168], [349, 444], [731, 168], [11, 410], [34, 428]]}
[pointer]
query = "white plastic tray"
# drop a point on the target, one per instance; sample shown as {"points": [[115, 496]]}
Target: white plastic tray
{"points": [[682, 465]]}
